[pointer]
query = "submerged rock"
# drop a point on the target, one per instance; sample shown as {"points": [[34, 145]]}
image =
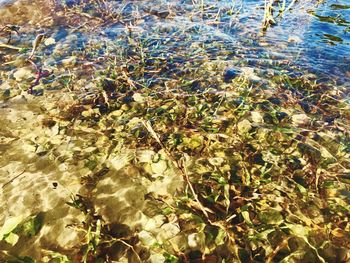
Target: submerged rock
{"points": [[274, 100], [305, 106], [22, 74], [230, 74], [161, 13], [294, 39], [69, 62], [280, 115], [157, 258], [300, 119]]}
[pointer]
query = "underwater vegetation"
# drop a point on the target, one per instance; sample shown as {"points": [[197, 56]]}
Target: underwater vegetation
{"points": [[174, 131]]}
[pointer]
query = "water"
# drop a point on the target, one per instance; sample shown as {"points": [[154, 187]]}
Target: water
{"points": [[4, 2], [65, 141]]}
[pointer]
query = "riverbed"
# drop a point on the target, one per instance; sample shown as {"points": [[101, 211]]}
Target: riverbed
{"points": [[174, 131]]}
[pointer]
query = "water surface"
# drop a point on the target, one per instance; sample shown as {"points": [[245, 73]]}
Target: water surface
{"points": [[79, 132]]}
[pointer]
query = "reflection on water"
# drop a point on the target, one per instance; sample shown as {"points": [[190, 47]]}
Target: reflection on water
{"points": [[176, 42], [315, 39]]}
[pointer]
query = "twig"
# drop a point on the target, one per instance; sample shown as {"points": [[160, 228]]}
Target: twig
{"points": [[88, 16], [14, 178], [268, 15], [74, 29], [128, 79], [39, 74], [182, 168], [37, 41], [2, 45], [131, 247], [217, 108], [283, 244]]}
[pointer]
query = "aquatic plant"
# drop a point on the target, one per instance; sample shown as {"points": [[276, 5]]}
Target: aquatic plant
{"points": [[166, 145]]}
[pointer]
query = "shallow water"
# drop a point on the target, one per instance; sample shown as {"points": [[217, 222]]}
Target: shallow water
{"points": [[42, 165]]}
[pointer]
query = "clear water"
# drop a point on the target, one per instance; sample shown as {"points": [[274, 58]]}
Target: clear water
{"points": [[306, 40]]}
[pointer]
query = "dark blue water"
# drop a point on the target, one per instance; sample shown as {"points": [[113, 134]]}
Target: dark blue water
{"points": [[307, 38], [310, 37], [314, 38]]}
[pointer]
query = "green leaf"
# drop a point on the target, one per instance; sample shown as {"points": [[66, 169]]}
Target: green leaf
{"points": [[271, 217], [55, 255], [246, 217], [296, 255], [195, 141], [23, 50], [9, 225], [220, 238], [301, 188], [27, 259], [12, 239], [298, 230], [263, 235], [31, 226], [171, 258]]}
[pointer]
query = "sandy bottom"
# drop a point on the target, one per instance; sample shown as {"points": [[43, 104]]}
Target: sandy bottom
{"points": [[32, 183]]}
